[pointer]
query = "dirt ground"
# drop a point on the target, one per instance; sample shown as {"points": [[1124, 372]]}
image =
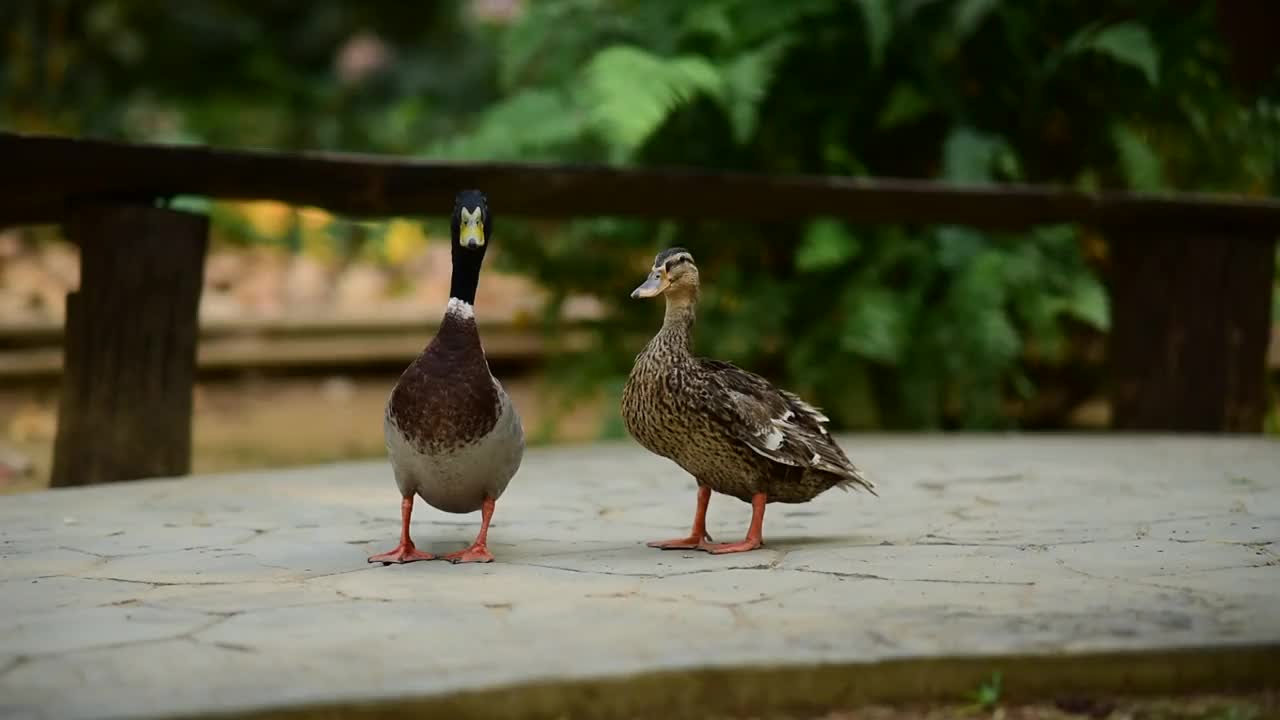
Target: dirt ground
{"points": [[269, 422]]}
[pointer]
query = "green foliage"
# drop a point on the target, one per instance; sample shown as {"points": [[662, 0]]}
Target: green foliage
{"points": [[903, 326], [898, 327], [1128, 43], [1139, 162], [987, 696], [826, 244], [745, 79], [239, 73], [630, 92], [877, 15]]}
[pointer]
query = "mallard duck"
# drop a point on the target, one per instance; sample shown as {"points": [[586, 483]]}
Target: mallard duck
{"points": [[732, 430], [453, 435]]}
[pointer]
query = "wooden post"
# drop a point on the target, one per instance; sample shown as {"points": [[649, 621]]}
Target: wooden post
{"points": [[130, 347], [1191, 321]]}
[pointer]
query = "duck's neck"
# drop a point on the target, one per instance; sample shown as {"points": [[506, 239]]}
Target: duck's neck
{"points": [[466, 274], [677, 324]]}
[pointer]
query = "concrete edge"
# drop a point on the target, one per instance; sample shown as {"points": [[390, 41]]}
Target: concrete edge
{"points": [[762, 690]]}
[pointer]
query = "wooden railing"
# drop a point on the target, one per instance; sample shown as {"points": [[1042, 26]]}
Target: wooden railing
{"points": [[33, 350], [1191, 275]]}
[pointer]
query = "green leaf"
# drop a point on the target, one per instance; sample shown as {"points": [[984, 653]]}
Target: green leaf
{"points": [[1006, 163], [876, 325], [746, 80], [538, 46], [969, 156], [995, 339], [709, 19], [525, 126], [1089, 303], [1141, 165], [969, 15], [826, 244], [905, 104], [878, 17], [980, 285], [958, 245], [987, 696], [198, 204], [1128, 43], [630, 92]]}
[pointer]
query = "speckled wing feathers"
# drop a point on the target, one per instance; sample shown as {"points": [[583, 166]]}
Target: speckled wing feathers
{"points": [[774, 423]]}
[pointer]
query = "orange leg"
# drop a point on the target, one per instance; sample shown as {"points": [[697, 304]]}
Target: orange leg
{"points": [[478, 552], [754, 532], [405, 552], [699, 531]]}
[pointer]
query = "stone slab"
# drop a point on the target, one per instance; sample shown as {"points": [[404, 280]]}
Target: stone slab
{"points": [[244, 592]]}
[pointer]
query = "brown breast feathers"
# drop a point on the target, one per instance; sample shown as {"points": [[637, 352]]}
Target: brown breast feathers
{"points": [[446, 398]]}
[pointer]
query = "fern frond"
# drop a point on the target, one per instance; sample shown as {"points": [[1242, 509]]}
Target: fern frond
{"points": [[629, 93], [530, 125], [746, 81]]}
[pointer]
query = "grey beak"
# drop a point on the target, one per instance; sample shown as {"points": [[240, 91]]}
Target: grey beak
{"points": [[650, 287]]}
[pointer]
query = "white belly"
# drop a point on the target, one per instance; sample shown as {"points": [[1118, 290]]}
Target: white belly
{"points": [[458, 480]]}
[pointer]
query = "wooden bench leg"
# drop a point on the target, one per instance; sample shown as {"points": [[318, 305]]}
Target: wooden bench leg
{"points": [[130, 345], [1191, 321]]}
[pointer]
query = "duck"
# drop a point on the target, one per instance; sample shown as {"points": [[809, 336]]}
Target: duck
{"points": [[453, 435], [731, 429]]}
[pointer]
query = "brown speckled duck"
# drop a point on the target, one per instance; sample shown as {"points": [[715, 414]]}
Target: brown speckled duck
{"points": [[732, 430], [453, 436]]}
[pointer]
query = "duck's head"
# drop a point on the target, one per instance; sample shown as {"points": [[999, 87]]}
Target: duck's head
{"points": [[673, 274], [472, 225]]}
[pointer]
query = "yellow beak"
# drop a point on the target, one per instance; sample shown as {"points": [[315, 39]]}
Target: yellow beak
{"points": [[471, 236]]}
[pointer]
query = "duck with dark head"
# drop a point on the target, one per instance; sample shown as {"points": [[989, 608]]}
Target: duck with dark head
{"points": [[732, 430], [453, 435]]}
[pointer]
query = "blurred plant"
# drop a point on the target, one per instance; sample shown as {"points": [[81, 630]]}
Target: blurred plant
{"points": [[269, 73], [887, 326], [987, 696]]}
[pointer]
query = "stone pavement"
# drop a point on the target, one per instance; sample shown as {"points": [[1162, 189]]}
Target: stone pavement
{"points": [[250, 591]]}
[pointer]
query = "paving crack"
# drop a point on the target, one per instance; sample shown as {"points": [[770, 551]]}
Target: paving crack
{"points": [[237, 647], [881, 639], [1251, 566], [218, 619], [589, 572], [254, 534], [870, 576], [941, 540], [100, 556], [360, 598], [367, 568], [1194, 596], [13, 664], [103, 558], [740, 618], [162, 583], [681, 573], [187, 635]]}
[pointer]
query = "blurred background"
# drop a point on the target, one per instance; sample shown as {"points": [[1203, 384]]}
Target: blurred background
{"points": [[308, 318]]}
